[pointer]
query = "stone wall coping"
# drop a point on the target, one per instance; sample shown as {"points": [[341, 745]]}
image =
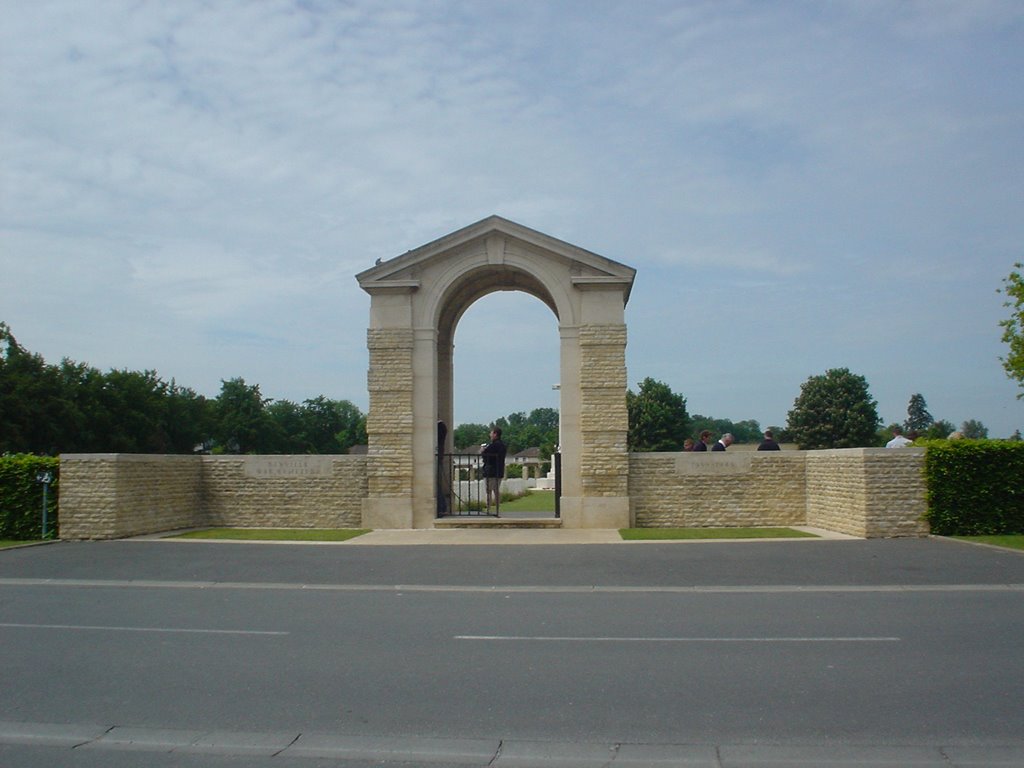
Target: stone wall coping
{"points": [[651, 455], [332, 456], [200, 457], [791, 454], [129, 457], [915, 451]]}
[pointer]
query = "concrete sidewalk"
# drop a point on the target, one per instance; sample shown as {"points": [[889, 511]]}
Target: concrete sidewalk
{"points": [[492, 535], [536, 536]]}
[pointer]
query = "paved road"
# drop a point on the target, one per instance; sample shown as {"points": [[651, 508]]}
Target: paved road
{"points": [[894, 652]]}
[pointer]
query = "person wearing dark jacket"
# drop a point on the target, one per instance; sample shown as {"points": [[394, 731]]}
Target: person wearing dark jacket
{"points": [[769, 444], [493, 454], [702, 444], [723, 442]]}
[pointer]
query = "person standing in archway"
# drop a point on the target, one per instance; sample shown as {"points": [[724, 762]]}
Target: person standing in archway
{"points": [[493, 454]]}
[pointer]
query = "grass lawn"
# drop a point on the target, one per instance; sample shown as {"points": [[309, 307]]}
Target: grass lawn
{"points": [[276, 534], [663, 534], [1013, 541], [11, 543], [534, 501]]}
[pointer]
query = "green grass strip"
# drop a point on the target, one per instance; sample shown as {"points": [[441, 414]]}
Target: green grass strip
{"points": [[1012, 541], [666, 534], [533, 501], [276, 534]]}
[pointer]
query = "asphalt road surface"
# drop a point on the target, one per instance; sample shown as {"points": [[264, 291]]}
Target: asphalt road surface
{"points": [[884, 652]]}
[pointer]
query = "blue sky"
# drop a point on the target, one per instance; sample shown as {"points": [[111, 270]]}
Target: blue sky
{"points": [[191, 187]]}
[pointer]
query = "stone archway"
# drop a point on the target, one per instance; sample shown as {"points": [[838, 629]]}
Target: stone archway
{"points": [[416, 301]]}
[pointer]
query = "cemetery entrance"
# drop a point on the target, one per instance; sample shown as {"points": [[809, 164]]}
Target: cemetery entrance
{"points": [[417, 300]]}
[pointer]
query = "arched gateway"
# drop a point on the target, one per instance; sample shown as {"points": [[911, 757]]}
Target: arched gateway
{"points": [[416, 302]]}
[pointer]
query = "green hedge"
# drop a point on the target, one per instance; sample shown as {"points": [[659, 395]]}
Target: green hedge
{"points": [[21, 496], [975, 487]]}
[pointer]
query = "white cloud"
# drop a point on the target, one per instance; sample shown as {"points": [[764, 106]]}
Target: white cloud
{"points": [[193, 186]]}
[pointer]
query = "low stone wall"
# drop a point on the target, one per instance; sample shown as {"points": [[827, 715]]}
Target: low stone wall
{"points": [[860, 491], [284, 491], [114, 495], [712, 489], [868, 492], [109, 496]]}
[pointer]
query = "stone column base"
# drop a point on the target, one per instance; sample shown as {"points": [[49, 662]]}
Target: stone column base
{"points": [[595, 511], [387, 513]]}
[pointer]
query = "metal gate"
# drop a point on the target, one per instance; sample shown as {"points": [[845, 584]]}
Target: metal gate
{"points": [[461, 488]]}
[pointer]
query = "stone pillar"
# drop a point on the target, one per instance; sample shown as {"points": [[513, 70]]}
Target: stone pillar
{"points": [[604, 424], [595, 423], [389, 427]]}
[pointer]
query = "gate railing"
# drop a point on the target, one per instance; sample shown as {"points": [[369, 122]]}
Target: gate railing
{"points": [[461, 489]]}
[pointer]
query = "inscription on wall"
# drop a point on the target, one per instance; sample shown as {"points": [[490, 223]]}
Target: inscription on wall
{"points": [[288, 466], [713, 463]]}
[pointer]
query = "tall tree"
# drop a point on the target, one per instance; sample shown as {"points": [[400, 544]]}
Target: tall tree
{"points": [[35, 407], [332, 426], [746, 431], [186, 419], [288, 418], [918, 418], [519, 431], [834, 411], [319, 425], [470, 434], [1013, 326], [974, 429], [658, 419], [940, 430], [242, 422]]}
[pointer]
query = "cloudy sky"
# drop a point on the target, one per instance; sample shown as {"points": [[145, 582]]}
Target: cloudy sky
{"points": [[191, 187]]}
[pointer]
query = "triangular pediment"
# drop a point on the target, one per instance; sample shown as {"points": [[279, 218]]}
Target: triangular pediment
{"points": [[587, 268]]}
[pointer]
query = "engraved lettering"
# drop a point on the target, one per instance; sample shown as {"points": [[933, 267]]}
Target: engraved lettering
{"points": [[713, 463], [268, 467]]}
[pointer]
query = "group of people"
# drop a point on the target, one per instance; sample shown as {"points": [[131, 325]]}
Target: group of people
{"points": [[493, 454], [701, 444]]}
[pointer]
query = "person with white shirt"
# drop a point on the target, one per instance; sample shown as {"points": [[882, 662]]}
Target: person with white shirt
{"points": [[898, 440]]}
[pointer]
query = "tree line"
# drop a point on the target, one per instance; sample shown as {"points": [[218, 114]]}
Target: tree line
{"points": [[833, 410], [75, 408], [519, 431]]}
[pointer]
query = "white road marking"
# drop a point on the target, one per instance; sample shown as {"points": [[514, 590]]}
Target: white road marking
{"points": [[555, 639], [781, 589], [179, 630]]}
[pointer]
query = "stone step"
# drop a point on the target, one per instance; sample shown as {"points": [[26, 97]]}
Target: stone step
{"points": [[489, 523]]}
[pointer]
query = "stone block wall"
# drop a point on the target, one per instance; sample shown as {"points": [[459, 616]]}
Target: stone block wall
{"points": [[861, 492], [389, 423], [284, 491], [898, 500], [110, 496], [604, 419], [740, 489], [869, 492]]}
